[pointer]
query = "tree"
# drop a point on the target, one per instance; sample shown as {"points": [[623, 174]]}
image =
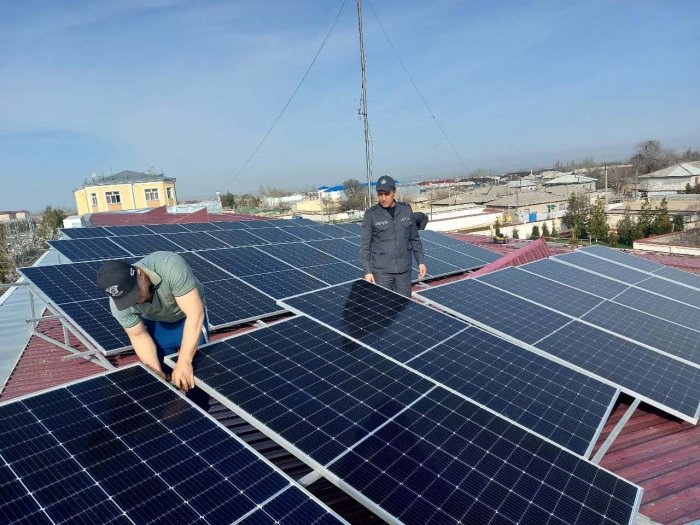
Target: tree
{"points": [[355, 195], [497, 228], [678, 223], [535, 232], [626, 228], [576, 215], [662, 222], [7, 262], [645, 222], [51, 221], [597, 221], [688, 188], [516, 233], [650, 155], [613, 239], [228, 200], [554, 233], [545, 230]]}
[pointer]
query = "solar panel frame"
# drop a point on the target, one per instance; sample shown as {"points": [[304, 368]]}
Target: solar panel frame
{"points": [[142, 245], [662, 307], [332, 231], [622, 258], [90, 249], [167, 228], [353, 227], [200, 226], [244, 261], [231, 295], [306, 233], [237, 238], [276, 235], [679, 276], [298, 255], [195, 241], [575, 277], [284, 498], [119, 231], [85, 233], [667, 288], [231, 225], [283, 283], [333, 469], [598, 266]]}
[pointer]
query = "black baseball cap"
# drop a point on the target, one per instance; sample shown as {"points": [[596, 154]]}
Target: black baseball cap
{"points": [[386, 183], [118, 280]]}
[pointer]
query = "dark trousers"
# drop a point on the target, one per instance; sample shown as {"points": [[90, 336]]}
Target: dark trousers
{"points": [[398, 282]]}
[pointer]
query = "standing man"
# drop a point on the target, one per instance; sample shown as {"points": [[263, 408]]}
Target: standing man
{"points": [[160, 304], [389, 238]]}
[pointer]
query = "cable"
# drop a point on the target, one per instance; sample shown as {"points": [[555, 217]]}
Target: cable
{"points": [[425, 102], [279, 116]]}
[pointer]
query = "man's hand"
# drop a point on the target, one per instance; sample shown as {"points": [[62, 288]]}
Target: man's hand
{"points": [[369, 277], [421, 271], [183, 375]]}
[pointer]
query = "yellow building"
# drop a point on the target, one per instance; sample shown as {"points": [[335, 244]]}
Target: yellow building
{"points": [[126, 190]]}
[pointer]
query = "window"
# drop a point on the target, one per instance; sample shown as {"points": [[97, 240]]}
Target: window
{"points": [[152, 194], [113, 197], [169, 192], [93, 199]]}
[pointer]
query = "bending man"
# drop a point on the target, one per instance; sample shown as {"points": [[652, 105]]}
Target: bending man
{"points": [[160, 304], [390, 240]]}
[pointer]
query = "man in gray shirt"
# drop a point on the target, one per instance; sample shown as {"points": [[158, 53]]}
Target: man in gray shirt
{"points": [[160, 304], [390, 240]]}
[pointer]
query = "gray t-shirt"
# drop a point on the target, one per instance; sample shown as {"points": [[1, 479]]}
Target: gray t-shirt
{"points": [[172, 278]]}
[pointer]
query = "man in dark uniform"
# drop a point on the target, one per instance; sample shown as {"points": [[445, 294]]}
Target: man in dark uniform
{"points": [[389, 240]]}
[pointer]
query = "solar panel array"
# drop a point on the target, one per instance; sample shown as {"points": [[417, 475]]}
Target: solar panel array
{"points": [[545, 397], [412, 451], [592, 311], [125, 448]]}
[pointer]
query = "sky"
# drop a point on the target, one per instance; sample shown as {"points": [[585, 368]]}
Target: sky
{"points": [[190, 87]]}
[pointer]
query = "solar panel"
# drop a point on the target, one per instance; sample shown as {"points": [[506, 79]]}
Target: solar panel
{"points": [[352, 227], [119, 231], [476, 252], [680, 276], [232, 225], [299, 255], [237, 238], [455, 258], [437, 266], [334, 273], [484, 304], [392, 323], [244, 261], [547, 293], [200, 226], [603, 267], [167, 228], [84, 233], [283, 283], [332, 231], [195, 241], [671, 338], [92, 249], [203, 270], [66, 283], [231, 302], [124, 447], [95, 319], [660, 380], [340, 249], [145, 244], [659, 306], [670, 289], [413, 452], [306, 233], [575, 277], [621, 257], [260, 223], [275, 235]]}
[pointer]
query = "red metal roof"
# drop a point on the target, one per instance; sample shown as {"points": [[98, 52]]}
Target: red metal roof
{"points": [[531, 252]]}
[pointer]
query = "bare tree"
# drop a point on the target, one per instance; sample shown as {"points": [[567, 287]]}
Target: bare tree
{"points": [[650, 155]]}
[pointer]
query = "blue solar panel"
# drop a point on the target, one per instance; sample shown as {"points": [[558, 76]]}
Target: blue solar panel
{"points": [[340, 249], [167, 228], [659, 306], [260, 223], [232, 225], [621, 257], [666, 382], [680, 276], [85, 233], [414, 451], [494, 308], [306, 233], [670, 289], [543, 396], [200, 226], [437, 266], [93, 249], [66, 283], [245, 261], [283, 283], [476, 252], [275, 235], [674, 339], [575, 278], [547, 293], [603, 267], [231, 302], [299, 255], [124, 447], [119, 231], [334, 273], [353, 227], [237, 238], [332, 231], [95, 319], [195, 241], [387, 321], [203, 270], [146, 244]]}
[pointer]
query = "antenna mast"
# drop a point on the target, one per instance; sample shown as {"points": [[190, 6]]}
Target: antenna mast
{"points": [[363, 106]]}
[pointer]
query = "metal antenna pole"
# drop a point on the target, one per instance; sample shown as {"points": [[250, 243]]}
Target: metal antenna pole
{"points": [[363, 106]]}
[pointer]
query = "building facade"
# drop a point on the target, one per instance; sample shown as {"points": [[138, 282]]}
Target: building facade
{"points": [[126, 190]]}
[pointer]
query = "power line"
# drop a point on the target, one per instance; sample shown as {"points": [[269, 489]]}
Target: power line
{"points": [[303, 78], [420, 94]]}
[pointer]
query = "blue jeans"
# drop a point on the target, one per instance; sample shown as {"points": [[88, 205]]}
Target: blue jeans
{"points": [[168, 336]]}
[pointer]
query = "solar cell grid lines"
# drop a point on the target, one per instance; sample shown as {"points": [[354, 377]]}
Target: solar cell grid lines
{"points": [[239, 237], [680, 276], [144, 244], [333, 231], [167, 228], [306, 233], [119, 231], [244, 261], [547, 293], [299, 255], [395, 325], [95, 319], [125, 448], [200, 226], [494, 308], [602, 267], [66, 283], [93, 249], [203, 270], [85, 233], [334, 273], [659, 306], [339, 248], [231, 301], [670, 289], [232, 225], [275, 235], [412, 451], [620, 257], [195, 241], [543, 396], [575, 278], [283, 283]]}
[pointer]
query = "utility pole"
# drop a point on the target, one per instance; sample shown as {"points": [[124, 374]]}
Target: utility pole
{"points": [[363, 106]]}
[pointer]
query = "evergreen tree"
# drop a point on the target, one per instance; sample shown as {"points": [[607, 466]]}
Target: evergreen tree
{"points": [[535, 232], [228, 200], [613, 239], [626, 228], [645, 223], [51, 221], [678, 223], [554, 233], [545, 230], [688, 188], [516, 233], [576, 215], [662, 222], [597, 221]]}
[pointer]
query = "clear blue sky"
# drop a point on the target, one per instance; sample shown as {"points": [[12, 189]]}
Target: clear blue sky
{"points": [[190, 87]]}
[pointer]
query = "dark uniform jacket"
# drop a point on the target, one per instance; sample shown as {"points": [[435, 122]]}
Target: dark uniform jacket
{"points": [[387, 243]]}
